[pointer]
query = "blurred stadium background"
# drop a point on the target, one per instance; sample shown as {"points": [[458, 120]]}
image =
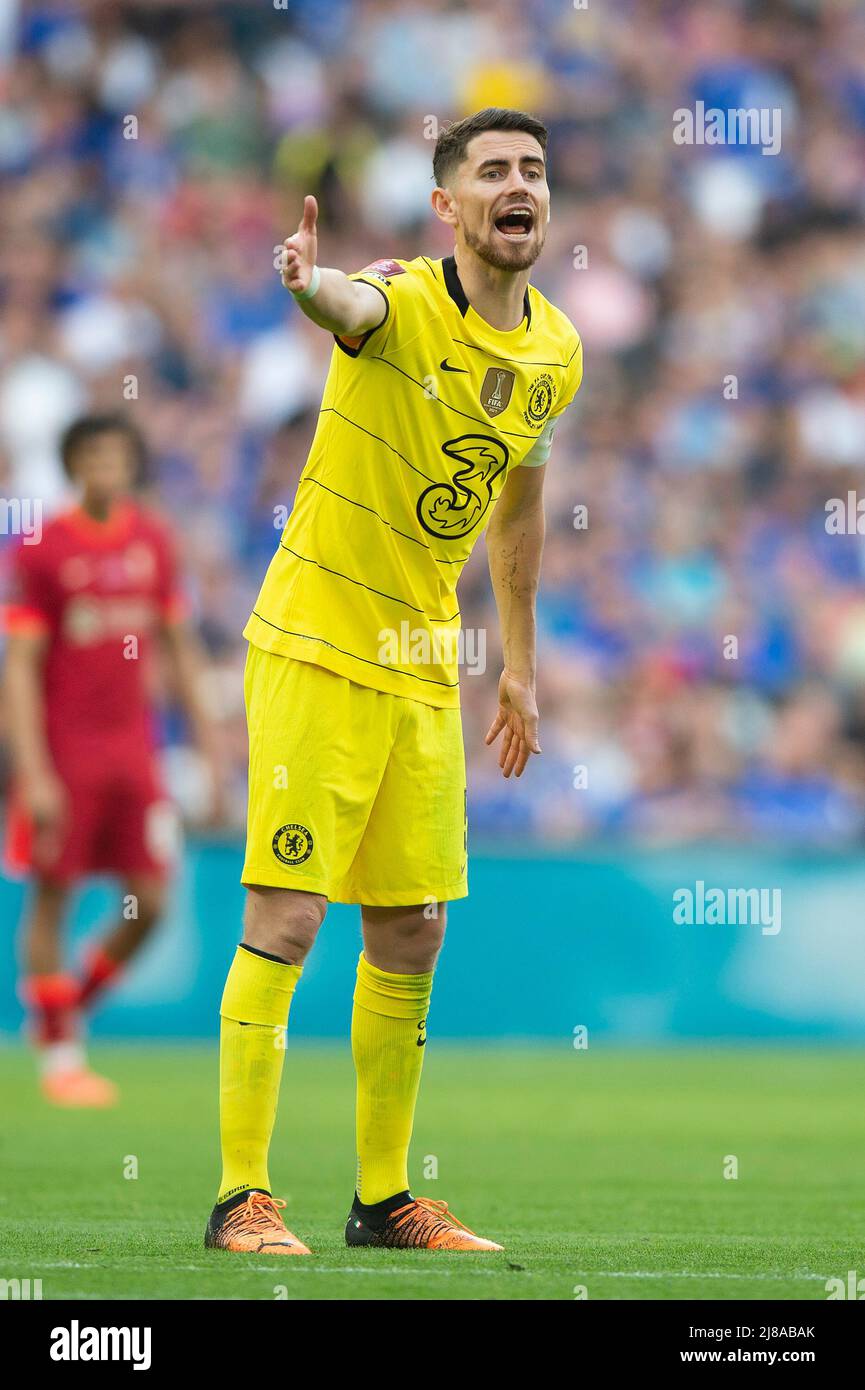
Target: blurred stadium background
{"points": [[152, 258]]}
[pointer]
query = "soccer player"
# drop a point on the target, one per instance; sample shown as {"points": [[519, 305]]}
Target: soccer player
{"points": [[88, 603], [445, 385]]}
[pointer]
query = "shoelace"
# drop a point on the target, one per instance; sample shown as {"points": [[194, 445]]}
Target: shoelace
{"points": [[258, 1211], [442, 1217]]}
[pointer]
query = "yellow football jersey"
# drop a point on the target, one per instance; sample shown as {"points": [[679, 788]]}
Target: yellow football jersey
{"points": [[421, 421]]}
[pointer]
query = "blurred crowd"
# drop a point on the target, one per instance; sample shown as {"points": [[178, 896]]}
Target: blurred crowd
{"points": [[702, 632]]}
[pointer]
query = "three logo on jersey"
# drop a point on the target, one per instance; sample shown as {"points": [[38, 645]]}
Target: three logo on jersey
{"points": [[452, 510]]}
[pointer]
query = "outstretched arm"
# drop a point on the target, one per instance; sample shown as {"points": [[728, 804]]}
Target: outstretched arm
{"points": [[346, 307], [515, 542]]}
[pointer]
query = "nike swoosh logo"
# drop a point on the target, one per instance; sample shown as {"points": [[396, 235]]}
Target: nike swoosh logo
{"points": [[446, 367]]}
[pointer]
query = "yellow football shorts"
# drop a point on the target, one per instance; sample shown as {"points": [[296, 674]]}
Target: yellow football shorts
{"points": [[353, 793]]}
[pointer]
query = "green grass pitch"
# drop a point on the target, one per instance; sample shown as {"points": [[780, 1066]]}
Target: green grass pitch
{"points": [[597, 1168]]}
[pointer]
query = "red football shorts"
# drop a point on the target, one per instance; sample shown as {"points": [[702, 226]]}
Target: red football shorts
{"points": [[119, 821]]}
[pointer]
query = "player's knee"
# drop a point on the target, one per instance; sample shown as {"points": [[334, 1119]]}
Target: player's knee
{"points": [[419, 945], [282, 922], [424, 934], [426, 923], [409, 939]]}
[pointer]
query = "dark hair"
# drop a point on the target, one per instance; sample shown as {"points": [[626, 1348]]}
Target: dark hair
{"points": [[451, 146], [87, 426]]}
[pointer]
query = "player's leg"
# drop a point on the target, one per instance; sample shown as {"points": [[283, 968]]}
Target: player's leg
{"points": [[132, 835], [41, 935], [413, 852], [49, 993], [144, 901], [315, 761], [280, 927], [388, 1039]]}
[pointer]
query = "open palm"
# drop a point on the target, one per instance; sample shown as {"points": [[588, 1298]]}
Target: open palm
{"points": [[517, 722]]}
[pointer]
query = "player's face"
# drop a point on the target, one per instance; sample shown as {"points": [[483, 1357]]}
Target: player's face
{"points": [[501, 199], [104, 467]]}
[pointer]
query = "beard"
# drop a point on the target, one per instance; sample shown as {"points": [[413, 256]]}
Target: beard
{"points": [[519, 256]]}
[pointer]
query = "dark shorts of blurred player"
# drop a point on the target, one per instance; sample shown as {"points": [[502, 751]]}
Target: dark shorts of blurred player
{"points": [[120, 822]]}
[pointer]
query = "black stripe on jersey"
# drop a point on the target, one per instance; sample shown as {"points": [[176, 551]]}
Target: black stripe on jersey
{"points": [[333, 492], [392, 597], [458, 294], [522, 361], [307, 637], [476, 419], [330, 409], [384, 521], [356, 351], [348, 420]]}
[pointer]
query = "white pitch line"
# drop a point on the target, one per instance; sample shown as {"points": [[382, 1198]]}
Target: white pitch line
{"points": [[425, 1271], [296, 1270], [691, 1274]]}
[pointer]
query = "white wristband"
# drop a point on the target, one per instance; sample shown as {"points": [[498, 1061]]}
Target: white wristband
{"points": [[312, 287]]}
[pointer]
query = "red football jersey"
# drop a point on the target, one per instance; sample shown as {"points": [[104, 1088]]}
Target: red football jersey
{"points": [[99, 591]]}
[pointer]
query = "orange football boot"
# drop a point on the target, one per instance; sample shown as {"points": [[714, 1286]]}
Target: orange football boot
{"points": [[79, 1088], [253, 1224], [423, 1224]]}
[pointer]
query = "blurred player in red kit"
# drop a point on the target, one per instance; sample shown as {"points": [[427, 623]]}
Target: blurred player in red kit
{"points": [[89, 604]]}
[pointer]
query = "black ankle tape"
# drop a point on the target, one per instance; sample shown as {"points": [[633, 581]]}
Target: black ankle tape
{"points": [[265, 955], [234, 1199], [376, 1213]]}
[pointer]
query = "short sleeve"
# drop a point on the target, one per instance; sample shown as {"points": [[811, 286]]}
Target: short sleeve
{"points": [[31, 597], [540, 450], [381, 275], [574, 380]]}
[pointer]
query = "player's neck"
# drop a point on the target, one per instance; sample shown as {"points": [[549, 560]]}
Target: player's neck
{"points": [[99, 509], [497, 296]]}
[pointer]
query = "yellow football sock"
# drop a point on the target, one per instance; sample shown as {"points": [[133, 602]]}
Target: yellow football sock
{"points": [[388, 1033], [254, 1016]]}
